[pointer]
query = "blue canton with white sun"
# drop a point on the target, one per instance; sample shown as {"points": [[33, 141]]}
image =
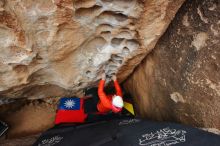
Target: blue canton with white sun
{"points": [[69, 103]]}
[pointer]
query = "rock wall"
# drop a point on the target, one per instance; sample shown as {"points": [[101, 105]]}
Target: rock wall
{"points": [[28, 117], [180, 80], [58, 47]]}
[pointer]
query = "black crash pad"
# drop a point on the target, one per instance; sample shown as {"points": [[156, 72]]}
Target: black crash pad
{"points": [[3, 128], [127, 132]]}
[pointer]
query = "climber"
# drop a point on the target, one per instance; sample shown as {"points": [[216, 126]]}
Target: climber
{"points": [[94, 106], [109, 102]]}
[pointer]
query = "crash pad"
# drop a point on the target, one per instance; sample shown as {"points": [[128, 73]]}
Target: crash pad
{"points": [[3, 128], [127, 132]]}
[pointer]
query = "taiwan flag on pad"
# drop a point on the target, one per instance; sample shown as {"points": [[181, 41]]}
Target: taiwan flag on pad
{"points": [[70, 110]]}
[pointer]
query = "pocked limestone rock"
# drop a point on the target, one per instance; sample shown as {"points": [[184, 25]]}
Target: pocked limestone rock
{"points": [[59, 47]]}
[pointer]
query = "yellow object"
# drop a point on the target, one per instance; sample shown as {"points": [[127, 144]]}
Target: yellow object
{"points": [[129, 107]]}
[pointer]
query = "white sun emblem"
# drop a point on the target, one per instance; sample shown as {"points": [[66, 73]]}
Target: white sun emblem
{"points": [[69, 104]]}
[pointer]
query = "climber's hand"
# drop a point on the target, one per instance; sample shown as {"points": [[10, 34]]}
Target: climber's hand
{"points": [[103, 76], [114, 78]]}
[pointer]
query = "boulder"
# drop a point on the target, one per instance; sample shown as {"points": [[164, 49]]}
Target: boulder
{"points": [[179, 80], [59, 47]]}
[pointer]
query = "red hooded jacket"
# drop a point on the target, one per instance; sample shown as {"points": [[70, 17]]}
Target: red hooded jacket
{"points": [[105, 103]]}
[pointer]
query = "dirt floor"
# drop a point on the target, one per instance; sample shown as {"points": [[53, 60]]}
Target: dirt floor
{"points": [[28, 117]]}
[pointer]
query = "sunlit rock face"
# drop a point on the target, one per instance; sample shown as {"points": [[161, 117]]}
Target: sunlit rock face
{"points": [[59, 47], [180, 79]]}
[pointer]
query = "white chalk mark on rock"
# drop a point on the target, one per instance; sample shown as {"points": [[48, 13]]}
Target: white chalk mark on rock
{"points": [[203, 18], [185, 20], [199, 40], [177, 97]]}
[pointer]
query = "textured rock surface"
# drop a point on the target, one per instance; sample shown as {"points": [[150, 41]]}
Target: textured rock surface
{"points": [[180, 79], [28, 117], [57, 47]]}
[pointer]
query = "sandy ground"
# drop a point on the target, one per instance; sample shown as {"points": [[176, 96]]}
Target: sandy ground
{"points": [[212, 130], [29, 118]]}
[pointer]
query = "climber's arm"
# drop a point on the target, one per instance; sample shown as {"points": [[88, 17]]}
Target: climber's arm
{"points": [[102, 96], [117, 86]]}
